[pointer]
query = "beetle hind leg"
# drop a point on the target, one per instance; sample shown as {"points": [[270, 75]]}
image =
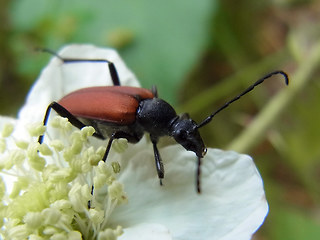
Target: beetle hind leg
{"points": [[64, 113], [112, 69]]}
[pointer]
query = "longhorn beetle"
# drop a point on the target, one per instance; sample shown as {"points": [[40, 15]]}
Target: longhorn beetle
{"points": [[127, 112]]}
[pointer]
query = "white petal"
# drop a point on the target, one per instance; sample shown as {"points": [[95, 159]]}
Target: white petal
{"points": [[232, 204], [58, 79], [4, 120], [146, 231]]}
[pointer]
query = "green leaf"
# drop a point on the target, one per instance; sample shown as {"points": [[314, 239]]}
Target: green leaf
{"points": [[160, 40], [290, 224]]}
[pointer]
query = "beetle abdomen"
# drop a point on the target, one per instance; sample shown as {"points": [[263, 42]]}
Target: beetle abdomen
{"points": [[109, 104]]}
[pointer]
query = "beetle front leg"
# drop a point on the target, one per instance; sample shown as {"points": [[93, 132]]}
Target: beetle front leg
{"points": [[158, 160], [198, 175]]}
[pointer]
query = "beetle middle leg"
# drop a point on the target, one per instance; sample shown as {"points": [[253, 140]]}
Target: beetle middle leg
{"points": [[158, 160], [132, 138], [106, 153]]}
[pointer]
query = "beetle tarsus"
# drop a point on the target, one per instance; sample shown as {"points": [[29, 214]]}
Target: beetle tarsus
{"points": [[160, 180]]}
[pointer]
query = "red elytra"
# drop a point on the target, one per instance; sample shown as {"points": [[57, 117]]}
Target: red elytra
{"points": [[117, 104]]}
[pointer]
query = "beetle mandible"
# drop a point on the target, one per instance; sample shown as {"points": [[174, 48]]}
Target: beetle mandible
{"points": [[128, 112]]}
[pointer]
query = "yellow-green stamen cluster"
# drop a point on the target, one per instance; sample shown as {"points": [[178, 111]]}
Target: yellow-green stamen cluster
{"points": [[52, 196]]}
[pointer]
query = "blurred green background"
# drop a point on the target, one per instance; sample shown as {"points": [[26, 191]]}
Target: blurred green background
{"points": [[200, 54]]}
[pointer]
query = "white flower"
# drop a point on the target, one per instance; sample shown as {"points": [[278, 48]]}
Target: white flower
{"points": [[52, 189]]}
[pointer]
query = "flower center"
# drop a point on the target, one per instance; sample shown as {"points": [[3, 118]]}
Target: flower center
{"points": [[61, 187]]}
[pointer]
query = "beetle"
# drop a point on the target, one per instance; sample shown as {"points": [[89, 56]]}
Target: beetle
{"points": [[129, 112]]}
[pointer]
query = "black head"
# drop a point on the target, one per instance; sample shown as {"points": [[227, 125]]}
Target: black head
{"points": [[185, 132]]}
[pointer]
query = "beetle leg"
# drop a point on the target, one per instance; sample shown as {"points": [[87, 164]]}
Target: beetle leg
{"points": [[154, 90], [198, 174], [116, 135], [63, 113], [103, 159], [106, 153], [89, 202], [158, 160], [112, 68]]}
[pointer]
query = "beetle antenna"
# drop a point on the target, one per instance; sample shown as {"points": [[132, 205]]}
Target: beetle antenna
{"points": [[47, 50], [249, 89]]}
